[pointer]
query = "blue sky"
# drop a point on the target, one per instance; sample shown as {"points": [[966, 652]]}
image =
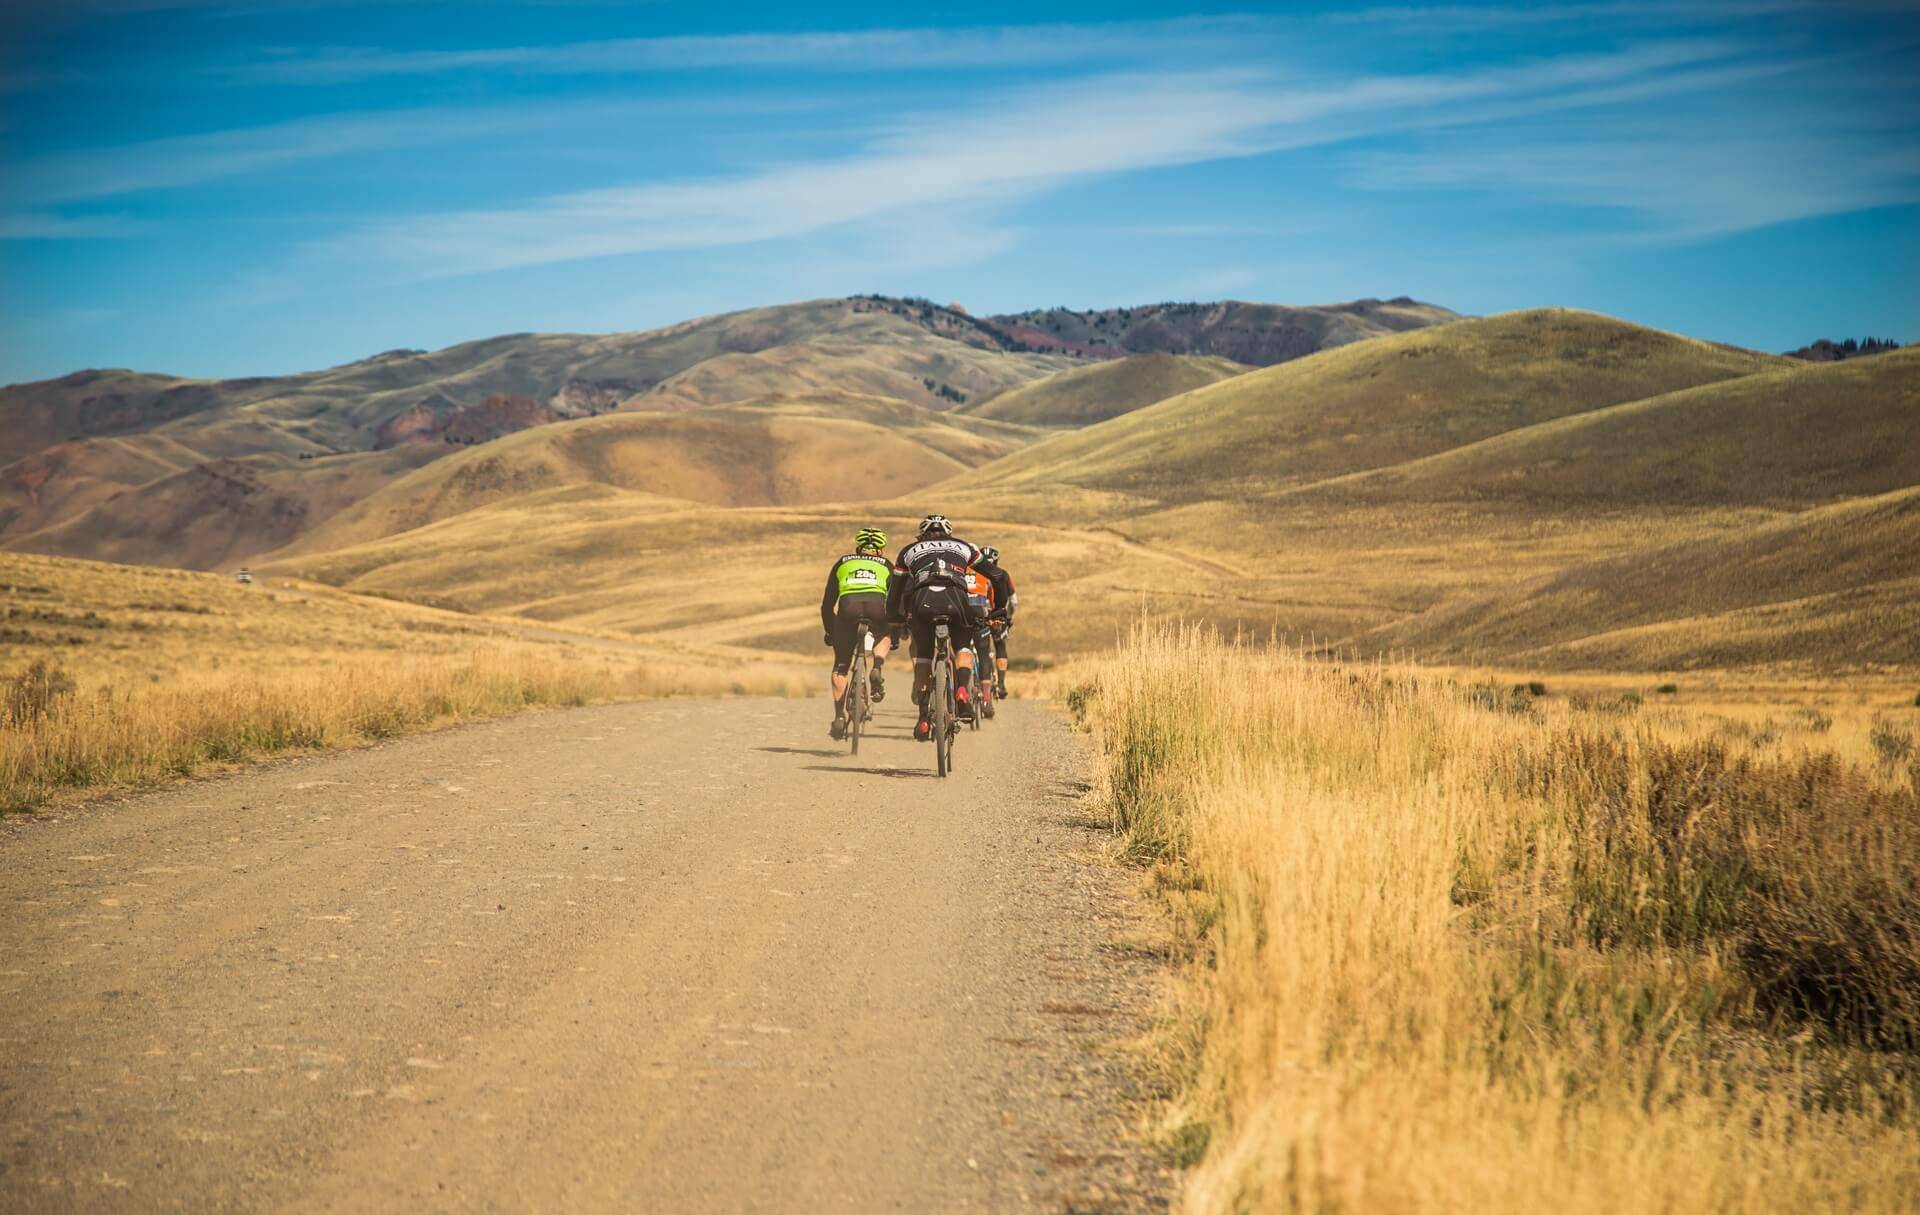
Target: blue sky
{"points": [[240, 188]]}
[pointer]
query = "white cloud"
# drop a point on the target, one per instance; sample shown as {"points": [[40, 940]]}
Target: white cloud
{"points": [[42, 226], [186, 160], [1471, 18], [883, 49], [1019, 145], [1679, 184]]}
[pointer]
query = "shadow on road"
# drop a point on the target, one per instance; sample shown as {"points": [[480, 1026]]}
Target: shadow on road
{"points": [[814, 751], [875, 771]]}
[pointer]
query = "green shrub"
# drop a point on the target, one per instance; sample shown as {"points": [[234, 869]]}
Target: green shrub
{"points": [[1667, 689]]}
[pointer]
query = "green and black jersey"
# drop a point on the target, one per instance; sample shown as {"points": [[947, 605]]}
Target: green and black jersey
{"points": [[853, 574]]}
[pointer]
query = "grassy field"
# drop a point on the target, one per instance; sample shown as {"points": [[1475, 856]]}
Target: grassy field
{"points": [[1452, 948], [116, 676]]}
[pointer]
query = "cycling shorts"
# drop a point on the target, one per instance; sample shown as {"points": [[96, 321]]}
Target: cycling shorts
{"points": [[853, 609], [929, 603]]}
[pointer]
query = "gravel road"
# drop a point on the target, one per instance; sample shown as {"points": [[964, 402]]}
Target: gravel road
{"points": [[679, 956]]}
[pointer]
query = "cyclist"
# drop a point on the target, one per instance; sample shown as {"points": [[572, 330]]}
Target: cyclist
{"points": [[1000, 623], [929, 581], [856, 591], [984, 604]]}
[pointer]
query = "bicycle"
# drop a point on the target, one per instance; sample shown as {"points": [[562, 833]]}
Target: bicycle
{"points": [[856, 703], [941, 711], [982, 688]]}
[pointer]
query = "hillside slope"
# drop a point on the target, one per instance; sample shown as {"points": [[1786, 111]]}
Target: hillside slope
{"points": [[1373, 404], [220, 513], [68, 444], [1799, 436], [1086, 395], [780, 451], [1837, 586]]}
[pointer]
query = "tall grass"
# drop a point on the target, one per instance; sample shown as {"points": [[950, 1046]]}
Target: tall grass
{"points": [[129, 736], [1451, 956]]}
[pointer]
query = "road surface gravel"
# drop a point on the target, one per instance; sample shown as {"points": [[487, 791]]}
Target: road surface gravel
{"points": [[676, 956]]}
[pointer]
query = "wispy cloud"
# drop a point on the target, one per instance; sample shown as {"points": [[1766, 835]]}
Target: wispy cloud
{"points": [[878, 50], [1470, 18], [185, 160], [1675, 184], [40, 226], [1019, 145]]}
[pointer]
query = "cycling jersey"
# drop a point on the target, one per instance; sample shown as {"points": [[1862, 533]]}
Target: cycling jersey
{"points": [[853, 574], [980, 589]]}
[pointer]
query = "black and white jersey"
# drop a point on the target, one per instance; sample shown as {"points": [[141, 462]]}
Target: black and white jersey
{"points": [[942, 559], [931, 562]]}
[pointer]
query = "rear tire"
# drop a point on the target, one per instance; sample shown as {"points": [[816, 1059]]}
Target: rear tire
{"points": [[856, 702], [940, 715]]}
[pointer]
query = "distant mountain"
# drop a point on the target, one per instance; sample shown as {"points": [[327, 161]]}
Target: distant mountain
{"points": [[1828, 351], [1258, 335], [220, 449], [111, 463]]}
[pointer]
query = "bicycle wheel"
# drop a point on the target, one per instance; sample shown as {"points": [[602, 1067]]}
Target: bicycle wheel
{"points": [[973, 696], [940, 712], [855, 706]]}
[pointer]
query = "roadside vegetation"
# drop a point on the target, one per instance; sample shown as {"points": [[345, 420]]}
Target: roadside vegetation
{"points": [[114, 677], [55, 741], [1451, 951]]}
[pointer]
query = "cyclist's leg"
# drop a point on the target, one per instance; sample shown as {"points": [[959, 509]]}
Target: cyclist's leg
{"points": [[919, 631], [846, 635], [963, 634], [872, 609], [1000, 656], [886, 638]]}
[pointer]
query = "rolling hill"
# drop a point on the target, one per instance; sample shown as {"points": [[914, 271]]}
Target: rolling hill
{"points": [[1837, 585], [1547, 487], [1374, 404], [775, 452], [221, 513], [1086, 395], [1799, 436], [70, 444]]}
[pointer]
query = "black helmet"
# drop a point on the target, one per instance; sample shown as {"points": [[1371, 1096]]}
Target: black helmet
{"points": [[935, 525], [990, 554]]}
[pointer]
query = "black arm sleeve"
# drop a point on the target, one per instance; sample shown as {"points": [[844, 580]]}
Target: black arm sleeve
{"points": [[830, 599], [897, 593]]}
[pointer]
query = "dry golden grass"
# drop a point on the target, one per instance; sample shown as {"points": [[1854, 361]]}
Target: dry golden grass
{"points": [[1091, 394], [115, 675], [1452, 950], [1374, 404], [783, 450]]}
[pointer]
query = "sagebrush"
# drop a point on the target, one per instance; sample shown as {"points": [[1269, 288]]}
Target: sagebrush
{"points": [[1540, 957]]}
